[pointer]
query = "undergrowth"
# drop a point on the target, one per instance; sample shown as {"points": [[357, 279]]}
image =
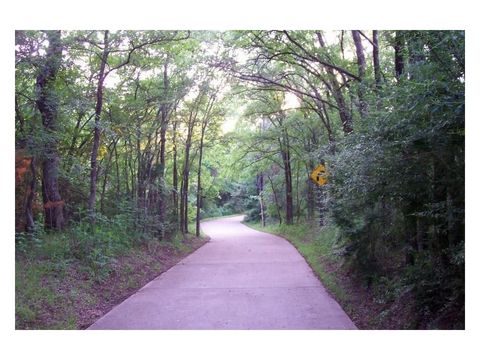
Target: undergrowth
{"points": [[58, 272], [313, 245]]}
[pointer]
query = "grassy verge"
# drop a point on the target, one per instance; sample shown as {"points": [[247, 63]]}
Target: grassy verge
{"points": [[382, 304], [63, 283], [385, 302], [317, 248], [364, 305]]}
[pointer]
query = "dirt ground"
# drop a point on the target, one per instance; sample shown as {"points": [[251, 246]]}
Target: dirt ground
{"points": [[131, 273]]}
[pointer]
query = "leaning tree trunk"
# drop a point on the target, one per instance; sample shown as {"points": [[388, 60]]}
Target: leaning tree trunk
{"points": [[47, 103], [336, 89], [96, 137], [361, 73]]}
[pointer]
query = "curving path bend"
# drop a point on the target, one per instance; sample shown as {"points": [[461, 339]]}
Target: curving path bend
{"points": [[240, 279]]}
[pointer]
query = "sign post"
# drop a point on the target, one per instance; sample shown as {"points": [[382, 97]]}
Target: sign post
{"points": [[319, 177]]}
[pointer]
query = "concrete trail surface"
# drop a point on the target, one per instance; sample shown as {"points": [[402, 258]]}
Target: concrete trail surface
{"points": [[240, 279]]}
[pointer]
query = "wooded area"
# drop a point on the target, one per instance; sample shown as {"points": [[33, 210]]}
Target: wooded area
{"points": [[127, 138]]}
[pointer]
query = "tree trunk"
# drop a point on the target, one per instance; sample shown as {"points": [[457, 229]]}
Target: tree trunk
{"points": [[186, 167], [182, 206], [165, 113], [97, 132], [398, 47], [141, 178], [298, 202], [133, 185], [117, 168], [205, 122], [76, 133], [288, 187], [376, 61], [21, 125], [411, 234], [105, 178], [361, 73], [287, 167], [199, 184], [276, 199], [260, 185], [415, 54], [52, 202], [175, 174], [376, 69], [125, 171], [29, 221], [185, 178], [440, 195], [310, 200], [360, 56], [47, 103], [334, 86]]}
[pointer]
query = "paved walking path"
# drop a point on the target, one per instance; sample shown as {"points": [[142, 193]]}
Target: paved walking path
{"points": [[240, 279]]}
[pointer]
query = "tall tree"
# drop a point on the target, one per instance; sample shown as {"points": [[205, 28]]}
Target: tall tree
{"points": [[136, 42], [175, 190], [335, 87], [192, 120], [204, 124], [399, 45], [47, 103], [376, 61], [97, 130], [361, 72], [287, 61]]}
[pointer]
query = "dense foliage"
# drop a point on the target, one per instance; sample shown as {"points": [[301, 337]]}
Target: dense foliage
{"points": [[132, 113], [398, 182], [129, 136], [396, 171]]}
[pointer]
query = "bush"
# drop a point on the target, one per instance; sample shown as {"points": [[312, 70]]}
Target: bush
{"points": [[397, 184], [253, 215]]}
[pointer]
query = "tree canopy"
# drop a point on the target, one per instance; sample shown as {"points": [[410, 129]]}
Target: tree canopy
{"points": [[154, 130]]}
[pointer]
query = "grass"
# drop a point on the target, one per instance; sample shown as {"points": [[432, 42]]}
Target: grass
{"points": [[38, 292], [67, 280], [316, 247], [379, 306], [319, 248]]}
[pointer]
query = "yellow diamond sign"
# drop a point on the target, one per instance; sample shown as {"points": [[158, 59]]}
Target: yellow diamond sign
{"points": [[319, 175]]}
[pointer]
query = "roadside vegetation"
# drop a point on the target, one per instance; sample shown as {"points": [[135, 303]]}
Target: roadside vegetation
{"points": [[123, 139], [382, 305], [392, 209], [68, 280]]}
